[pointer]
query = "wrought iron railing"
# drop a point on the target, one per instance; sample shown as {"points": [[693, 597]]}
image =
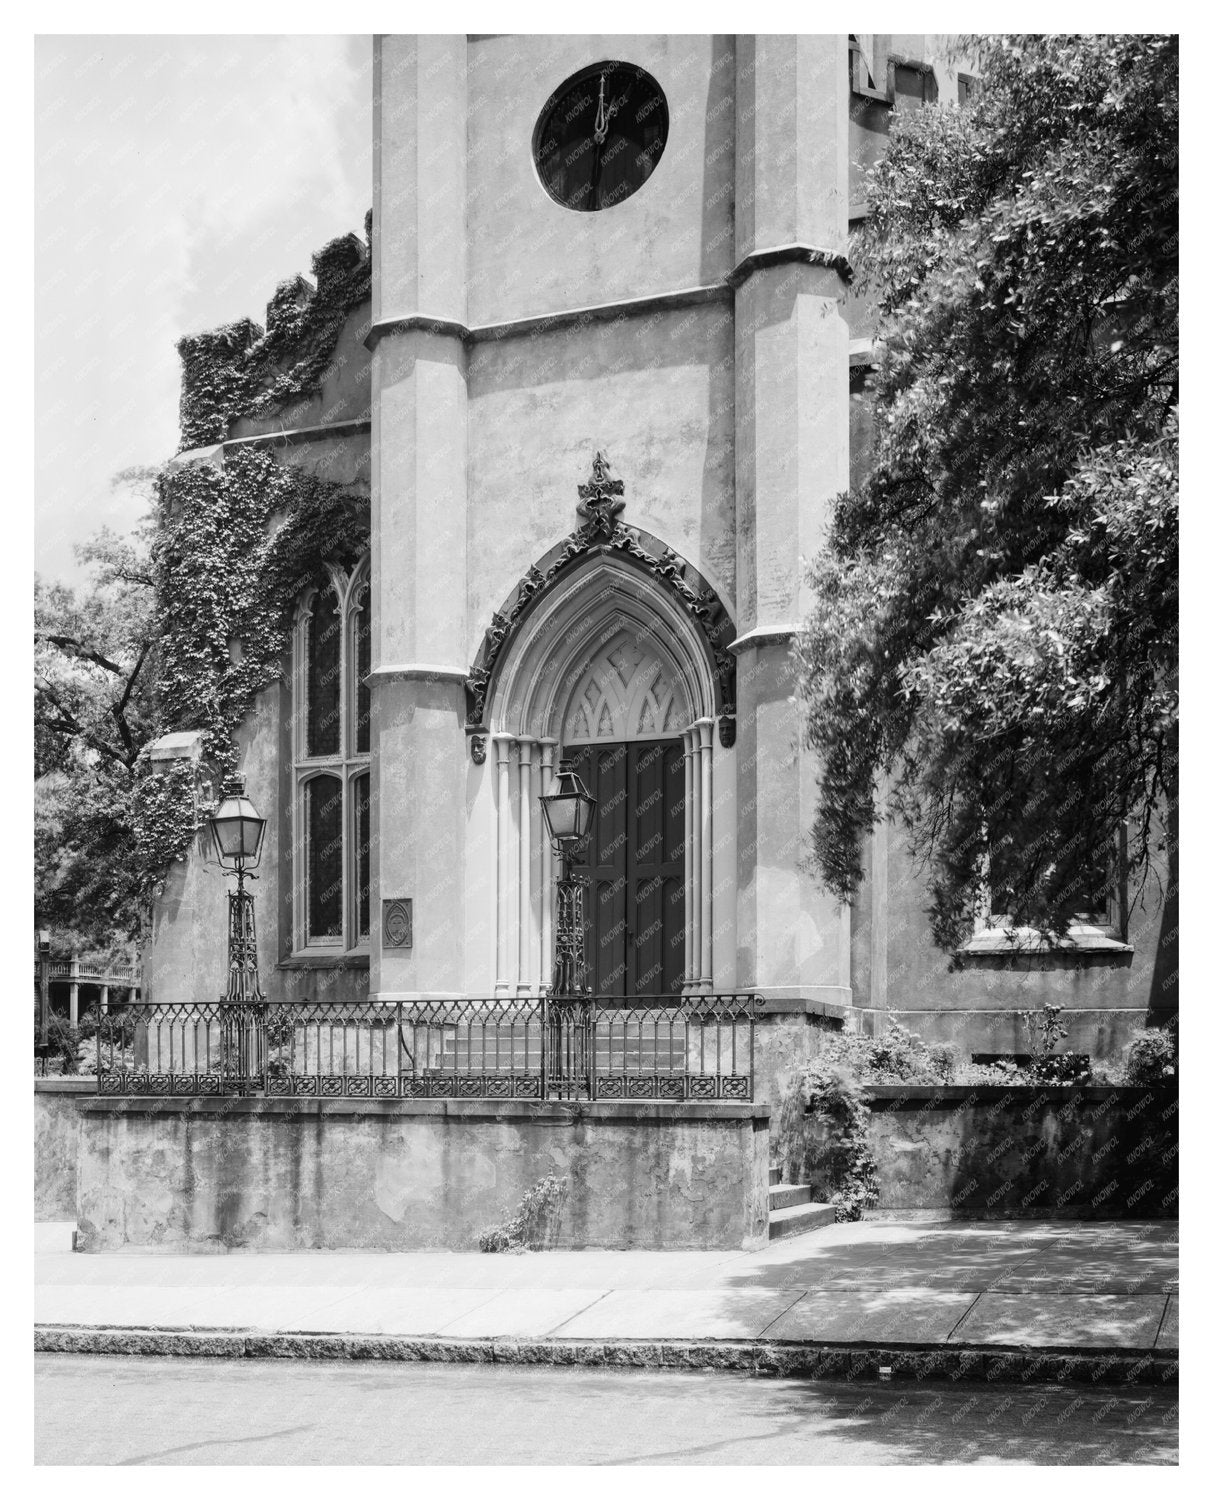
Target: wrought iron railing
{"points": [[671, 1047]]}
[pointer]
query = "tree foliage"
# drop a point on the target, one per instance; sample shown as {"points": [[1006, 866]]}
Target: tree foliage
{"points": [[179, 628], [991, 657], [94, 710]]}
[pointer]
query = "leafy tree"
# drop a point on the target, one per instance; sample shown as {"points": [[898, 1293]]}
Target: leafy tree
{"points": [[94, 711], [178, 629], [991, 656]]}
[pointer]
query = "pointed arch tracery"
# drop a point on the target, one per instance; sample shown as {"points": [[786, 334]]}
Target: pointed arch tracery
{"points": [[610, 636], [606, 546]]}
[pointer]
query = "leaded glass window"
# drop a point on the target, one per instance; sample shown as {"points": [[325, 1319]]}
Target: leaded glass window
{"points": [[332, 741]]}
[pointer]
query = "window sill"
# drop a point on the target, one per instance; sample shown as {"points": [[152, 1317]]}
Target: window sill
{"points": [[1082, 937], [325, 961]]}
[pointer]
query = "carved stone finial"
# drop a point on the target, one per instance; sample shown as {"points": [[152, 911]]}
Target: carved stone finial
{"points": [[600, 502]]}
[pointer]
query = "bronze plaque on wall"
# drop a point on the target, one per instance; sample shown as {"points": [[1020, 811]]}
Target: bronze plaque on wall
{"points": [[398, 922]]}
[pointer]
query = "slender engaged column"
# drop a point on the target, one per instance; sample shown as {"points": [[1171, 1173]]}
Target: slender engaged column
{"points": [[705, 840], [105, 999], [526, 973], [501, 747], [688, 853], [697, 845], [547, 754], [73, 994]]}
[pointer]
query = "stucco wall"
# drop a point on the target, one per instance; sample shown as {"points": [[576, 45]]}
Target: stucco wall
{"points": [[997, 1153], [787, 1036], [56, 1141], [187, 958], [527, 254], [217, 1175], [972, 1000], [655, 394]]}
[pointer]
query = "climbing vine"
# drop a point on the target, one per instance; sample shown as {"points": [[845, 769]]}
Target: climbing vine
{"points": [[242, 370], [837, 1153], [234, 546]]}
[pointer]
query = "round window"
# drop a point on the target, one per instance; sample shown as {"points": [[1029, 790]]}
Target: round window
{"points": [[600, 136]]}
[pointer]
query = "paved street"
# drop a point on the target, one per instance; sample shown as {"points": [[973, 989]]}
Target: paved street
{"points": [[211, 1411]]}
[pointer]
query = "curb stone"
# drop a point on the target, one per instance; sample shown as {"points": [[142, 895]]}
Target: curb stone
{"points": [[818, 1361]]}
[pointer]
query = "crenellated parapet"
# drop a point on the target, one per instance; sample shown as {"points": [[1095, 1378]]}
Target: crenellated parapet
{"points": [[245, 370]]}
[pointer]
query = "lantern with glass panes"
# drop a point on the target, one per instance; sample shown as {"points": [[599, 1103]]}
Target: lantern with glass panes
{"points": [[238, 832], [568, 811]]}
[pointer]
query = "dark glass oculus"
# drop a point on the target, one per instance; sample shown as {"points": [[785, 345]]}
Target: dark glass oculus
{"points": [[600, 136]]}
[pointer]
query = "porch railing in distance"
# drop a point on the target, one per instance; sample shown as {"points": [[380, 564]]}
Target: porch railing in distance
{"points": [[664, 1047]]}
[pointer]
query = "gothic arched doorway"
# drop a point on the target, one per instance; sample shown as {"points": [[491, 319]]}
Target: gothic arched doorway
{"points": [[623, 730], [608, 670]]}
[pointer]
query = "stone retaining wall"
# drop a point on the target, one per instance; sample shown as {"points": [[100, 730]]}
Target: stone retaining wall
{"points": [[271, 1174], [788, 1034], [56, 1142], [1006, 1153]]}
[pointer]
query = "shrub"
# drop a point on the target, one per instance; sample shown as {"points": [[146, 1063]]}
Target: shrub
{"points": [[833, 1096], [535, 1221], [1064, 1067], [116, 1027], [1151, 1056], [280, 1040], [63, 1044], [899, 1056]]}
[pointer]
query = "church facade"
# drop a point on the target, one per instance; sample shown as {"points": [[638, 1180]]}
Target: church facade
{"points": [[608, 380]]}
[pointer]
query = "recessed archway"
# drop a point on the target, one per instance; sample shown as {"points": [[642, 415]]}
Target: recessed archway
{"points": [[605, 655]]}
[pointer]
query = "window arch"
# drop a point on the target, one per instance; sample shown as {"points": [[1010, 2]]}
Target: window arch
{"points": [[331, 745]]}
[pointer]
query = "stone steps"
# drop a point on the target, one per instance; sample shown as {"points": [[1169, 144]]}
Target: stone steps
{"points": [[801, 1218], [789, 1195], [793, 1210]]}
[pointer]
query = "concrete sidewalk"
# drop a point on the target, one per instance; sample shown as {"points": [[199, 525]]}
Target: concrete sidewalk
{"points": [[1024, 1299]]}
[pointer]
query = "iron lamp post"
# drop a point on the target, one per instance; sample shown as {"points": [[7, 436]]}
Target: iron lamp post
{"points": [[568, 812], [238, 832]]}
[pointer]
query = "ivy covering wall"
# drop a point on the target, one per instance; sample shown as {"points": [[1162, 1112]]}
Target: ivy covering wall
{"points": [[235, 543], [243, 370], [233, 548]]}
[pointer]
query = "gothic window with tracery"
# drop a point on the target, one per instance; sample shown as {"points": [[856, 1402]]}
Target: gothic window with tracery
{"points": [[331, 765]]}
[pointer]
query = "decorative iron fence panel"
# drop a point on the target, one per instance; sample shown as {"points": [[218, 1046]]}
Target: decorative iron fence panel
{"points": [[669, 1047]]}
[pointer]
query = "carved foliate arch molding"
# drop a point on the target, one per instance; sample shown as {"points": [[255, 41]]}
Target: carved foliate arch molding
{"points": [[605, 534]]}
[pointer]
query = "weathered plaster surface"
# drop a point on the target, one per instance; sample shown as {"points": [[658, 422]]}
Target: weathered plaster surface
{"points": [[56, 1142], [223, 1175], [784, 1042], [654, 393], [529, 255], [995, 1153], [898, 970]]}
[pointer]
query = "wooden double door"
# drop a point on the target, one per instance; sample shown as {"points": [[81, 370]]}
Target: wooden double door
{"points": [[635, 901]]}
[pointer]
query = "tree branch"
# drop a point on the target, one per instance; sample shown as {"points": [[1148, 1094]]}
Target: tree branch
{"points": [[77, 648]]}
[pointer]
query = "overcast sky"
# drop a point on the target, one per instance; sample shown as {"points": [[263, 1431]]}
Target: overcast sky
{"points": [[177, 181]]}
